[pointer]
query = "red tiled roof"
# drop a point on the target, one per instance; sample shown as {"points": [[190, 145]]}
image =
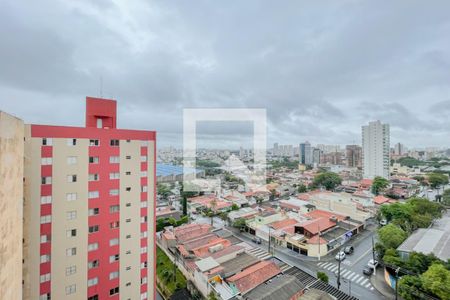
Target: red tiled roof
{"points": [[381, 199], [191, 231], [226, 251], [366, 182], [283, 223], [315, 240], [254, 275], [313, 226], [203, 251], [318, 213]]}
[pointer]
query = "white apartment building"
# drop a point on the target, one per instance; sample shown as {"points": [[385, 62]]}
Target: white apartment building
{"points": [[376, 146]]}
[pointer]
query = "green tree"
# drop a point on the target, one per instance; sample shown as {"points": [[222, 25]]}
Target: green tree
{"points": [[379, 184], [329, 180], [391, 236], [212, 296], [234, 206], [436, 180], [163, 190], [302, 188], [239, 223], [322, 276], [391, 257], [446, 197], [410, 287], [436, 280]]}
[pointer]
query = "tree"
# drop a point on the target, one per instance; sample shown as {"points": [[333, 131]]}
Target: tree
{"points": [[163, 190], [184, 204], [239, 223], [446, 197], [436, 280], [212, 296], [234, 206], [436, 180], [329, 180], [379, 184], [273, 193], [322, 276], [391, 236], [302, 188], [410, 287]]}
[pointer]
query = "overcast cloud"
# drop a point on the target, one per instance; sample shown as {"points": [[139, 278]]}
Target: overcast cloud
{"points": [[321, 69]]}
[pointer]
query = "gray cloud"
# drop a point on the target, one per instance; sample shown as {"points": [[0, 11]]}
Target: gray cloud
{"points": [[320, 70]]}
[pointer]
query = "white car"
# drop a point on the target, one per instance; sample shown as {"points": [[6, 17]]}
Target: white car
{"points": [[340, 256], [372, 263], [430, 191]]}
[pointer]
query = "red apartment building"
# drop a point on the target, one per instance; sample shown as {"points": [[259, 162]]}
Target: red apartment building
{"points": [[89, 209]]}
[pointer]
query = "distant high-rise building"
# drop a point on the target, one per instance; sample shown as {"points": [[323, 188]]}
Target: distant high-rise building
{"points": [[354, 156], [399, 149], [376, 145], [316, 156], [275, 149], [305, 153]]}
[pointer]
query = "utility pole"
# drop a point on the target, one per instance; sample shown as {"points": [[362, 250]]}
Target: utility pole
{"points": [[318, 229], [373, 256], [339, 272], [269, 241], [396, 282]]}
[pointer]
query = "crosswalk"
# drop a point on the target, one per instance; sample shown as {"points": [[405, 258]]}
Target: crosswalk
{"points": [[259, 253], [347, 274]]}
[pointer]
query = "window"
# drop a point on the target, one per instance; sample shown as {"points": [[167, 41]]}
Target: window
{"points": [[143, 250], [92, 247], [128, 252], [71, 178], [93, 194], [71, 160], [71, 232], [128, 236], [143, 203], [114, 143], [128, 268], [143, 280], [128, 220], [113, 175], [94, 177], [71, 196], [114, 192], [44, 278], [45, 296], [113, 275], [71, 270], [47, 141], [114, 291], [114, 159], [93, 229], [46, 219], [128, 141], [92, 281], [113, 242], [114, 258], [46, 199], [46, 180], [114, 224], [128, 204], [71, 142], [144, 188], [114, 209], [144, 143], [144, 234], [94, 143], [144, 219], [71, 251], [128, 189], [45, 238], [128, 173], [144, 296], [128, 284], [95, 297], [71, 289], [93, 264], [128, 157], [71, 215], [45, 258], [143, 158], [45, 161], [143, 265], [94, 211], [93, 159], [143, 173]]}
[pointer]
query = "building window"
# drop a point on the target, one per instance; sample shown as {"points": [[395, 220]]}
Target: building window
{"points": [[143, 158], [128, 252], [93, 194], [94, 211], [46, 219], [128, 189], [144, 219], [114, 192], [71, 233], [93, 159], [113, 275], [93, 229], [114, 176], [45, 258], [114, 143], [143, 234], [45, 238], [114, 159], [45, 296], [128, 204], [44, 278], [143, 173], [71, 160], [92, 281], [128, 236], [143, 280], [143, 265], [71, 215], [114, 209], [144, 189], [71, 196], [47, 141], [71, 289], [114, 242], [92, 247], [114, 291], [46, 180], [128, 220], [143, 250], [94, 177], [94, 143], [46, 199], [45, 161], [144, 143], [71, 270], [71, 178], [114, 224], [128, 173], [93, 264], [143, 203], [144, 296], [95, 297], [128, 157], [71, 142], [114, 258], [128, 283], [128, 268]]}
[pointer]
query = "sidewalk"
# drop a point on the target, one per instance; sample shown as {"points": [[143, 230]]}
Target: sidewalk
{"points": [[380, 285]]}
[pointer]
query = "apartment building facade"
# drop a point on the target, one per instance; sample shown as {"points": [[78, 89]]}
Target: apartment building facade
{"points": [[89, 209], [375, 150]]}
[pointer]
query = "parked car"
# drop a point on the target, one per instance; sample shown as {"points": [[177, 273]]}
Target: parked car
{"points": [[340, 256], [367, 270], [256, 240], [349, 249], [372, 263]]}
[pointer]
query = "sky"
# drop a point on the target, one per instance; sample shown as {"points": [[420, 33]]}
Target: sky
{"points": [[321, 69]]}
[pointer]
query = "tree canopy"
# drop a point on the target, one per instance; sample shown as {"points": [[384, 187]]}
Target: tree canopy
{"points": [[437, 281], [379, 184], [328, 180], [391, 236], [436, 180]]}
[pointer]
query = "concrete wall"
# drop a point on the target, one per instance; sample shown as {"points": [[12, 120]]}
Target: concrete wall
{"points": [[11, 205]]}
